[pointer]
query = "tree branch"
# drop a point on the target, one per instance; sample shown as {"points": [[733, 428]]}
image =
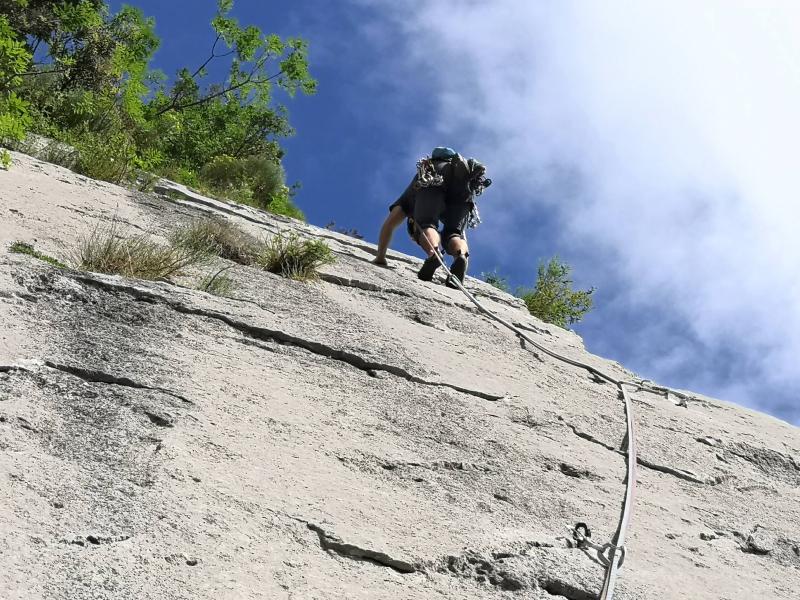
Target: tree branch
{"points": [[210, 58], [176, 107]]}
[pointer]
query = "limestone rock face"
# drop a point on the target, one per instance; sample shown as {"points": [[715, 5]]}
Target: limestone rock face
{"points": [[366, 436]]}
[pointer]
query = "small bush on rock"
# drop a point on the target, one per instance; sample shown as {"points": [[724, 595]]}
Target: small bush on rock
{"points": [[494, 279], [258, 181], [219, 237], [290, 256], [106, 251], [553, 299]]}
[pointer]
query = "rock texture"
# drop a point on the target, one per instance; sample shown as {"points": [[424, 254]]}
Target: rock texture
{"points": [[364, 436]]}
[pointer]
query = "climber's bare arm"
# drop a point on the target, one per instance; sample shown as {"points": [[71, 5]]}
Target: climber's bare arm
{"points": [[392, 222]]}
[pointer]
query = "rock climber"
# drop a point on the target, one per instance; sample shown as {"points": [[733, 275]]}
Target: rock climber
{"points": [[443, 190]]}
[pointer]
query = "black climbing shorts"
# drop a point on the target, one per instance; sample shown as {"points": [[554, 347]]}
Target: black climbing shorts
{"points": [[406, 200], [454, 221], [428, 206], [431, 207]]}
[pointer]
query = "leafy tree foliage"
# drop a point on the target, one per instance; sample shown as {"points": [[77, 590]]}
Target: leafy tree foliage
{"points": [[84, 76], [553, 300], [14, 60], [234, 117]]}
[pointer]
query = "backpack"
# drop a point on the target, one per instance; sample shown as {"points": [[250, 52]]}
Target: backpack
{"points": [[463, 179]]}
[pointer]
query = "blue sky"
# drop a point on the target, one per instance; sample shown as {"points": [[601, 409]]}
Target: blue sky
{"points": [[652, 148]]}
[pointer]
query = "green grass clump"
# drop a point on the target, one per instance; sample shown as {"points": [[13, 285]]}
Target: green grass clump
{"points": [[290, 256], [218, 237], [23, 248], [106, 251], [217, 283]]}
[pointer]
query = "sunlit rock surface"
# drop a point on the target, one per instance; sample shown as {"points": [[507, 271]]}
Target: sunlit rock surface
{"points": [[364, 436]]}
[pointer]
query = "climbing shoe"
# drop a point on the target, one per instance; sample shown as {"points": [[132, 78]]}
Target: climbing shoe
{"points": [[458, 269], [428, 268]]}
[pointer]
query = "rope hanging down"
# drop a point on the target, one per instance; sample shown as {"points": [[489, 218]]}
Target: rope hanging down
{"points": [[616, 549]]}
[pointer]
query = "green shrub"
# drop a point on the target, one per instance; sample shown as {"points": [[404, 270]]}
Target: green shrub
{"points": [[293, 257], [92, 86], [216, 236], [553, 300], [106, 251], [352, 232], [217, 283], [108, 156], [224, 172], [14, 115], [282, 204], [23, 248], [494, 279], [257, 181]]}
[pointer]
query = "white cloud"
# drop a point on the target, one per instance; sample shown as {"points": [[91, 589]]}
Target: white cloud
{"points": [[678, 127]]}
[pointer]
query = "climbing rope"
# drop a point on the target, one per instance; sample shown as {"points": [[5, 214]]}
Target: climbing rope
{"points": [[616, 549]]}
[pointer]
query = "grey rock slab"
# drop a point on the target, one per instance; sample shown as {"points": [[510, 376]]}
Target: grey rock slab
{"points": [[364, 436]]}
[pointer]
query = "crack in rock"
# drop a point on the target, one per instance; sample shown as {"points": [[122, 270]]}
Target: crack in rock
{"points": [[331, 543], [94, 376], [514, 303], [556, 587], [448, 465], [361, 285], [424, 318], [95, 540], [578, 473], [679, 473], [25, 424], [158, 420], [590, 438], [165, 188], [709, 441], [532, 328], [275, 335]]}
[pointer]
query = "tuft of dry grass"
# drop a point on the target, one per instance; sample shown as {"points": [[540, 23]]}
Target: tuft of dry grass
{"points": [[105, 250], [290, 256], [217, 283], [218, 237]]}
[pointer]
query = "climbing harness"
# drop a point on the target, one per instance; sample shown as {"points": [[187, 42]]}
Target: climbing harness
{"points": [[612, 554]]}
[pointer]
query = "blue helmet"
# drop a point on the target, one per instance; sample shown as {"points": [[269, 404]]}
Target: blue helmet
{"points": [[443, 153]]}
